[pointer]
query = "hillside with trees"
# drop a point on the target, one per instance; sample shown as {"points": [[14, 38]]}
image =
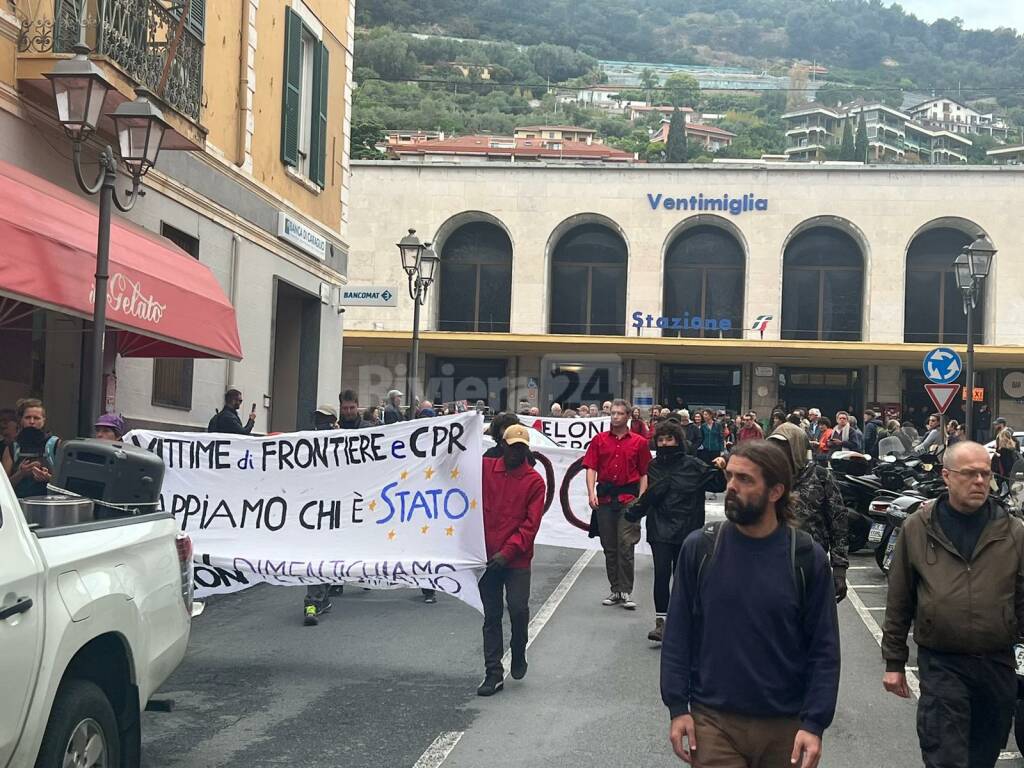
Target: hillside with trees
{"points": [[484, 66], [864, 40]]}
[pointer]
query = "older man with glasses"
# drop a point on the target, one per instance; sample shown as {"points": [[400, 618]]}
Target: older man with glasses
{"points": [[958, 574]]}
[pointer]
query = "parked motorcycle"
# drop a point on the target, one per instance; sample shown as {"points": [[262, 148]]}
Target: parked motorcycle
{"points": [[851, 471]]}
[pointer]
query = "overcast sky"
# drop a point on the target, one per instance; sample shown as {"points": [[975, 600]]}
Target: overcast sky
{"points": [[975, 13]]}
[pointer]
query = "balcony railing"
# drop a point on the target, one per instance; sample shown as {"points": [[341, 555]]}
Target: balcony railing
{"points": [[139, 36]]}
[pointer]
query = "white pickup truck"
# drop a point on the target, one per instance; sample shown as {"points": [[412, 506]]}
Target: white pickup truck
{"points": [[94, 616]]}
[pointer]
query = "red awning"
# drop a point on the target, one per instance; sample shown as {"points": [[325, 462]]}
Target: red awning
{"points": [[163, 302]]}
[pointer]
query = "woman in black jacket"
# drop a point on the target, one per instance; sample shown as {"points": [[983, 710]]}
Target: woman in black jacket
{"points": [[674, 506]]}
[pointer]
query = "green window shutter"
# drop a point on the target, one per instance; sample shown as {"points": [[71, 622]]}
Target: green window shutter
{"points": [[197, 17], [318, 133], [292, 88]]}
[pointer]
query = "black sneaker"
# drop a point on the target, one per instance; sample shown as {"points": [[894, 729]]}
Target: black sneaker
{"points": [[519, 666], [656, 634], [491, 685]]}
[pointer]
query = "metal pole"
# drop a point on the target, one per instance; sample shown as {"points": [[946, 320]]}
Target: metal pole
{"points": [[414, 367], [99, 307], [969, 410]]}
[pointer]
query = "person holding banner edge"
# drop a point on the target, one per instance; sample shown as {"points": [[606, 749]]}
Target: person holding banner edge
{"points": [[513, 504]]}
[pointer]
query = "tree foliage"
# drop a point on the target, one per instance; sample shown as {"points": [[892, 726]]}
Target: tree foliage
{"points": [[682, 90], [861, 147], [877, 38], [847, 150], [675, 147]]}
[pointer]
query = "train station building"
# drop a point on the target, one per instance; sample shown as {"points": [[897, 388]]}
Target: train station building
{"points": [[732, 286]]}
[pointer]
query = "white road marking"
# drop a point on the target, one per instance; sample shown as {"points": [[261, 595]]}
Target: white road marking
{"points": [[438, 752], [551, 604], [1009, 755], [876, 631], [443, 745], [860, 568], [868, 586]]}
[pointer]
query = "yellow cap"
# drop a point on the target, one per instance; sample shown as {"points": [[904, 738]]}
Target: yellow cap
{"points": [[516, 433]]}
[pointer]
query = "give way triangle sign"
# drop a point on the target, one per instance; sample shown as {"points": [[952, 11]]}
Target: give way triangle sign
{"points": [[942, 395]]}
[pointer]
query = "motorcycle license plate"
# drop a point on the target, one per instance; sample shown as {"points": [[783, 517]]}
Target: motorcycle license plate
{"points": [[889, 549], [1018, 652], [875, 534]]}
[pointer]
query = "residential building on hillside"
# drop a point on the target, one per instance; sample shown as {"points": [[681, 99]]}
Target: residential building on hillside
{"points": [[411, 137], [604, 97], [636, 112], [1007, 155], [893, 137], [710, 137], [459, 149], [229, 270], [557, 133], [948, 114]]}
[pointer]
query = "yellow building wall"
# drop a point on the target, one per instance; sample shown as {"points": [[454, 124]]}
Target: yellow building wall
{"points": [[268, 169], [9, 29], [222, 75]]}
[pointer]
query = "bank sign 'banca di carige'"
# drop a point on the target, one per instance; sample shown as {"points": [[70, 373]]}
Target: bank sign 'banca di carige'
{"points": [[724, 203]]}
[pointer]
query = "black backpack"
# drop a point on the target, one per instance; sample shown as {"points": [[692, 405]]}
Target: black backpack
{"points": [[801, 559]]}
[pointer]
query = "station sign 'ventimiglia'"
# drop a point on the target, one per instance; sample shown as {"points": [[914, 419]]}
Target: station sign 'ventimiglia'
{"points": [[733, 205]]}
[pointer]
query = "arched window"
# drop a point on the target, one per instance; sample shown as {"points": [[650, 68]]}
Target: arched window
{"points": [[704, 284], [933, 310], [588, 282], [476, 279], [822, 286]]}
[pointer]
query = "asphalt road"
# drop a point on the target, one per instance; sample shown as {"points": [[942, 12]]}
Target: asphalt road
{"points": [[386, 680]]}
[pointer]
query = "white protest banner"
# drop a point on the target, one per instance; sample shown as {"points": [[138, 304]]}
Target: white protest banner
{"points": [[568, 433], [387, 507]]}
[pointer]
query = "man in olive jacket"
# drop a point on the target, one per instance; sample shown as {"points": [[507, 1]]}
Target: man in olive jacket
{"points": [[958, 573]]}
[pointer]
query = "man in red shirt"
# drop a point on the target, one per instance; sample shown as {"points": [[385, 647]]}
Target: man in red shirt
{"points": [[750, 429], [616, 463], [513, 495]]}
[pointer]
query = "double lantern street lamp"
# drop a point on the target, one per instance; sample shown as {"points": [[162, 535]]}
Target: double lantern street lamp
{"points": [[972, 267], [80, 90], [419, 262]]}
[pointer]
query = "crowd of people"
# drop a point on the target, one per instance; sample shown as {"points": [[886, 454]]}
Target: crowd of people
{"points": [[28, 450], [745, 609]]}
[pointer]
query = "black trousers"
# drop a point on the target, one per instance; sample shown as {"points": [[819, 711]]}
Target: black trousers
{"points": [[514, 585], [665, 557], [966, 708]]}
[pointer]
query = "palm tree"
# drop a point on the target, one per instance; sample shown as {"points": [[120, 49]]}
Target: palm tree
{"points": [[649, 81]]}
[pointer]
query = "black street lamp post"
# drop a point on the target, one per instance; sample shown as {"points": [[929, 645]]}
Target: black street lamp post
{"points": [[80, 91], [972, 267], [419, 262]]}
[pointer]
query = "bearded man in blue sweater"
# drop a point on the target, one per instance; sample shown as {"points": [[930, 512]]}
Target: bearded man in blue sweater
{"points": [[750, 656]]}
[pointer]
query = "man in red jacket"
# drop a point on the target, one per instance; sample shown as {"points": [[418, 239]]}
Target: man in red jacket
{"points": [[513, 495]]}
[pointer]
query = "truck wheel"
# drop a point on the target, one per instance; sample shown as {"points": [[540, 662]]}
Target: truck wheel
{"points": [[82, 729]]}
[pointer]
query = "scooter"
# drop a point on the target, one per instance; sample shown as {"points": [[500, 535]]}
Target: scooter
{"points": [[850, 470]]}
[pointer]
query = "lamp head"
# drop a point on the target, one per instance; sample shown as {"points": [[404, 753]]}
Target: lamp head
{"points": [[410, 248], [428, 264], [79, 88], [140, 131], [980, 253], [962, 268]]}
